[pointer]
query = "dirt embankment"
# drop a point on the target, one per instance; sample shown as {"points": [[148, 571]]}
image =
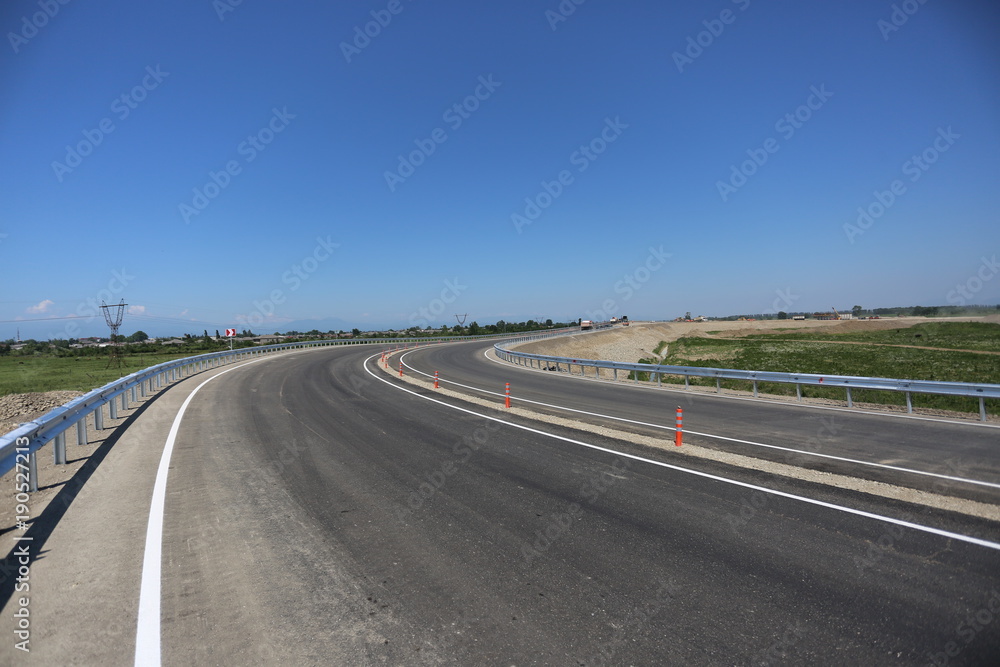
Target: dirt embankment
{"points": [[16, 409], [629, 344]]}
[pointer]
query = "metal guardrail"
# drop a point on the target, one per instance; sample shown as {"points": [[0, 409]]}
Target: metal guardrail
{"points": [[19, 447], [847, 382]]}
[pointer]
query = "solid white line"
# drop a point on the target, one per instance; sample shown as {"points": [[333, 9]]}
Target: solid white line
{"points": [[729, 397], [812, 501], [844, 459], [147, 634]]}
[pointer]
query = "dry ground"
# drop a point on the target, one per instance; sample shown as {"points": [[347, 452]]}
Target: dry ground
{"points": [[629, 344]]}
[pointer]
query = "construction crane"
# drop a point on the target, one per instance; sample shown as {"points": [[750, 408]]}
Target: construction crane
{"points": [[835, 312]]}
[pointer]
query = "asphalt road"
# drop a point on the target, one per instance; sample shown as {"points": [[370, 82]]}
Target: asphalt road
{"points": [[318, 513], [967, 450]]}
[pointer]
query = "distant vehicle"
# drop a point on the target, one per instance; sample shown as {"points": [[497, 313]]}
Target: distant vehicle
{"points": [[614, 320], [798, 317], [586, 324]]}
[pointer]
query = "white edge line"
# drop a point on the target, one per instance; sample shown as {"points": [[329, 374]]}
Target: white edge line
{"points": [[844, 459], [147, 634], [717, 478]]}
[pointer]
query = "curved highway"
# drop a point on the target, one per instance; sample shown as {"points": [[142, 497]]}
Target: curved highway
{"points": [[957, 458], [320, 511]]}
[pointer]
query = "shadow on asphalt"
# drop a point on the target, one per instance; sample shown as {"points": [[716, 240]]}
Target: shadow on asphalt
{"points": [[43, 524]]}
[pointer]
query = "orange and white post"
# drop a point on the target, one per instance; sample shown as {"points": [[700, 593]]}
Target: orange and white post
{"points": [[506, 400], [435, 379], [679, 433], [400, 369]]}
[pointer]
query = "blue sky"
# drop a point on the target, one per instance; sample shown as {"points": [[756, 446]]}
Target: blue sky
{"points": [[261, 164]]}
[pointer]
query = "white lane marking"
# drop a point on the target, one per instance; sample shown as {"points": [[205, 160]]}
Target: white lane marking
{"points": [[844, 459], [812, 501], [728, 397], [147, 633]]}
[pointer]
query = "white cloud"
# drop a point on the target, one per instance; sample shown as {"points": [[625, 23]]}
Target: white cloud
{"points": [[42, 307], [137, 310]]}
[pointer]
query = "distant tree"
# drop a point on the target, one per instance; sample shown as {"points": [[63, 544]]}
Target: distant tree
{"points": [[474, 329], [217, 334], [857, 310], [782, 315], [138, 337], [356, 332], [548, 323]]}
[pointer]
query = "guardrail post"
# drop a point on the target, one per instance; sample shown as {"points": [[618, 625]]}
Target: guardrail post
{"points": [[615, 376], [718, 386], [33, 471], [755, 389], [658, 383], [124, 400], [850, 403], [687, 380], [982, 408], [99, 418], [134, 397], [81, 431], [59, 450], [142, 388], [909, 404], [798, 392], [112, 409]]}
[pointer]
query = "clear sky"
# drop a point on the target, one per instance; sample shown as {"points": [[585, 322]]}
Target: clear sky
{"points": [[258, 164]]}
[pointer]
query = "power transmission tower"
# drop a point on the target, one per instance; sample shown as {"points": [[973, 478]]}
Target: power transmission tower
{"points": [[114, 322], [461, 319]]}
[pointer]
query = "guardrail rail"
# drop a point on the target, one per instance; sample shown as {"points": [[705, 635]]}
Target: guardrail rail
{"points": [[981, 391], [18, 448]]}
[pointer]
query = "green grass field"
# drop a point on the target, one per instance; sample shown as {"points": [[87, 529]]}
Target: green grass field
{"points": [[950, 335], [804, 353], [20, 375]]}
